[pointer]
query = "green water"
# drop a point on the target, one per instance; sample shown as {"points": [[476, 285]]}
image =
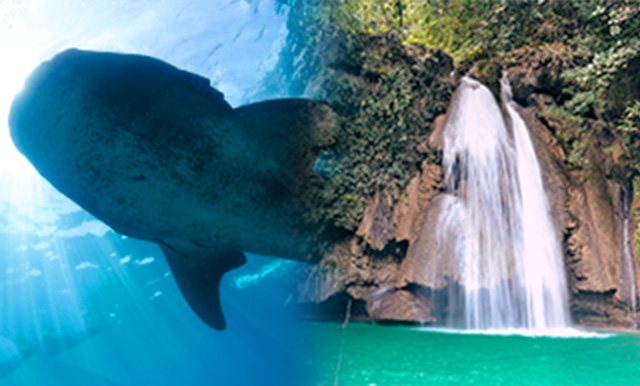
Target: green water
{"points": [[366, 354]]}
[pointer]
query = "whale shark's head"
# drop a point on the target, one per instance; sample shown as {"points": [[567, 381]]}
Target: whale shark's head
{"points": [[75, 93], [105, 128]]}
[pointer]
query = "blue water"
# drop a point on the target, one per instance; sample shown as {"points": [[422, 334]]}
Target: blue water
{"points": [[106, 308], [82, 305], [368, 354]]}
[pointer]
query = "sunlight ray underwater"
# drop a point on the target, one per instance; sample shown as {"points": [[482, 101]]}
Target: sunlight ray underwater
{"points": [[80, 302]]}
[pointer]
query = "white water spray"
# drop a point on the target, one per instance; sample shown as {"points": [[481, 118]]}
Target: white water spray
{"points": [[627, 256], [506, 251]]}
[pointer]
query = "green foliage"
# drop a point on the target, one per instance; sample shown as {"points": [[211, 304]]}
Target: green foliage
{"points": [[630, 122], [457, 27], [628, 132], [604, 83], [378, 62], [464, 29], [389, 101], [568, 129]]}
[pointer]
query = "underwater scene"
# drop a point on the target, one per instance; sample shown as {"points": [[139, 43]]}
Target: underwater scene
{"points": [[84, 305], [313, 192]]}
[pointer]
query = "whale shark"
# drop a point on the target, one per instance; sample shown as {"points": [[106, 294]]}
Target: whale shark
{"points": [[157, 154]]}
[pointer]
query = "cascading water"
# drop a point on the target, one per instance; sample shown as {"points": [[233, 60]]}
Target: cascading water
{"points": [[496, 223], [628, 271]]}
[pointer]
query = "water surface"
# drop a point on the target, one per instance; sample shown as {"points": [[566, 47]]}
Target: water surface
{"points": [[83, 305], [367, 354]]}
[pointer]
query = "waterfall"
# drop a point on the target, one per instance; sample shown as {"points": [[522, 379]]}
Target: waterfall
{"points": [[497, 230], [628, 266]]}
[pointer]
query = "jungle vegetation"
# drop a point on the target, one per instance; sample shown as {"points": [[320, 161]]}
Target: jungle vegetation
{"points": [[388, 63]]}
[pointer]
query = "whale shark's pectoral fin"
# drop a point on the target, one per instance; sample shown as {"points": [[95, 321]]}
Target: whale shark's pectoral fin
{"points": [[198, 271]]}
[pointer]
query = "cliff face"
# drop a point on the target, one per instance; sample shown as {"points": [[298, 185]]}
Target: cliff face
{"points": [[589, 211], [592, 204], [391, 264]]}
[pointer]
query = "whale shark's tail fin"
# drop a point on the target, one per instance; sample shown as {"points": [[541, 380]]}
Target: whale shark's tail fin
{"points": [[198, 271]]}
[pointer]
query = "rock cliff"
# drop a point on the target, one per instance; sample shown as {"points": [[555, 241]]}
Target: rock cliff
{"points": [[387, 264]]}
